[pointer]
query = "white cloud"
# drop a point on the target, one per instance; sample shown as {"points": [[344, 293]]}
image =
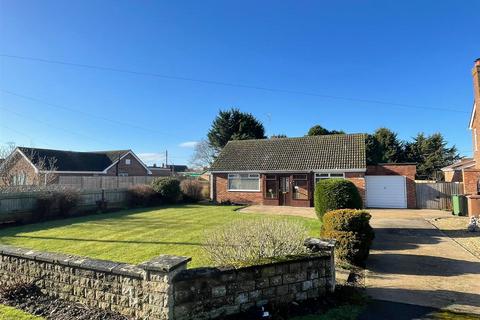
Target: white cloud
{"points": [[188, 144], [152, 157]]}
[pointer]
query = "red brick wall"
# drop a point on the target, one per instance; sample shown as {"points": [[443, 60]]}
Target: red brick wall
{"points": [[407, 170], [476, 119], [18, 164], [470, 178], [358, 179], [135, 168], [221, 193]]}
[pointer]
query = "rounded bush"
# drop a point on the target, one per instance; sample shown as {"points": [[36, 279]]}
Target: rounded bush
{"points": [[352, 230], [191, 190], [140, 196], [67, 200], [167, 188], [332, 194]]}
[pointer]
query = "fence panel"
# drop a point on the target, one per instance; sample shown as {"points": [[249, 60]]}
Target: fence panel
{"points": [[102, 182], [25, 201], [437, 195]]}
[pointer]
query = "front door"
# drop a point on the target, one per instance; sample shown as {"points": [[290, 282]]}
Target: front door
{"points": [[285, 191]]}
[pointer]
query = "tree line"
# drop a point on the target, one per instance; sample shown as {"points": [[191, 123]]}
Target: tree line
{"points": [[429, 152]]}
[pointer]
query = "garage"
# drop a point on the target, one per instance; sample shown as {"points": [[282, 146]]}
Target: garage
{"points": [[386, 191]]}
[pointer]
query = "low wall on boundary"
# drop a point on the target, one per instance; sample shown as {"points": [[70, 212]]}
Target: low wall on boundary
{"points": [[163, 288]]}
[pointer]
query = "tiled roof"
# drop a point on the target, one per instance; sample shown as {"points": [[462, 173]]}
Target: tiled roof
{"points": [[340, 151], [463, 163], [74, 160]]}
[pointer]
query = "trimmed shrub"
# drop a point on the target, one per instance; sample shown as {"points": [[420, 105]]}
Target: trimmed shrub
{"points": [[67, 200], [191, 190], [333, 194], [140, 196], [351, 228], [44, 205], [167, 188], [248, 242], [55, 203]]}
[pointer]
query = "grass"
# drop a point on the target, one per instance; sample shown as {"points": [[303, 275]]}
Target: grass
{"points": [[9, 313], [134, 236]]}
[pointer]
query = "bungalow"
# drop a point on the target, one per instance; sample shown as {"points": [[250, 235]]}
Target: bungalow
{"points": [[284, 171], [28, 166]]}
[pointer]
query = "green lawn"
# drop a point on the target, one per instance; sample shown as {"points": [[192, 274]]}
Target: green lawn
{"points": [[9, 313], [134, 236]]}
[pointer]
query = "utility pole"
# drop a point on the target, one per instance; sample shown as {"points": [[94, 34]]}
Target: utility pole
{"points": [[166, 158]]}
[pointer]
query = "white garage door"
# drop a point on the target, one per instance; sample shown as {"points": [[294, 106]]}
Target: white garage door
{"points": [[386, 191]]}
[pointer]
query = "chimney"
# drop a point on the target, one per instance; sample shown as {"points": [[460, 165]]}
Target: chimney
{"points": [[476, 81]]}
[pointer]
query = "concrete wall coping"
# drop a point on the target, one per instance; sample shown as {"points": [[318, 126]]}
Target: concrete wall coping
{"points": [[163, 263]]}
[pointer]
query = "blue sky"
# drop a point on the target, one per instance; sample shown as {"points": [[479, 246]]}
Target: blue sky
{"points": [[416, 53]]}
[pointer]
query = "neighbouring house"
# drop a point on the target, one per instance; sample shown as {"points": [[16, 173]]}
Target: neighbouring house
{"points": [[284, 171], [471, 176], [176, 168], [454, 172], [167, 170], [28, 166], [160, 171]]}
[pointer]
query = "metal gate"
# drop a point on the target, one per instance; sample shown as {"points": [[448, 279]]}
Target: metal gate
{"points": [[437, 195]]}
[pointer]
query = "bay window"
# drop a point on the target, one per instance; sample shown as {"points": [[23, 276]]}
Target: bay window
{"points": [[243, 182]]}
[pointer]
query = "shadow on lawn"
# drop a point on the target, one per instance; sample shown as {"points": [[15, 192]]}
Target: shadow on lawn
{"points": [[109, 241], [122, 216]]}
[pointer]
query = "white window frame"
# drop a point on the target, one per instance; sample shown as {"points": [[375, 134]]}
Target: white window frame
{"points": [[327, 175], [237, 175], [128, 162], [123, 174]]}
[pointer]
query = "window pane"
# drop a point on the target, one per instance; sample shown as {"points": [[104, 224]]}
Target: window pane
{"points": [[271, 189], [336, 175], [271, 177], [243, 182], [300, 189]]}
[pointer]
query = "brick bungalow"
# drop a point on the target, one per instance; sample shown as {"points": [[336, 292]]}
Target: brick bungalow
{"points": [[25, 166], [283, 171]]}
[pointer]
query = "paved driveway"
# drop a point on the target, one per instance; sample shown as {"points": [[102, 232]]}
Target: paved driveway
{"points": [[413, 262]]}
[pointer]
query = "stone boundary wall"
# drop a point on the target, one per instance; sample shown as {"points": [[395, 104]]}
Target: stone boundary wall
{"points": [[163, 289], [141, 292], [209, 293]]}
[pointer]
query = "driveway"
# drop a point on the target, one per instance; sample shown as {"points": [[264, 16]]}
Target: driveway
{"points": [[413, 262]]}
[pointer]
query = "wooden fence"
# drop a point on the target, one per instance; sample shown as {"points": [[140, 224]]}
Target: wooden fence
{"points": [[437, 195], [103, 182], [21, 202]]}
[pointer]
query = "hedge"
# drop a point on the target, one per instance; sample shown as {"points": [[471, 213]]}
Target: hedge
{"points": [[351, 228], [332, 194]]}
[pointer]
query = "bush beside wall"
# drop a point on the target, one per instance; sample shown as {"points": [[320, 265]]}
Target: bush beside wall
{"points": [[333, 194], [351, 228], [192, 190], [141, 196], [168, 189]]}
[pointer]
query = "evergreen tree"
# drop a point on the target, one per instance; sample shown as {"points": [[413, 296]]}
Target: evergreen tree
{"points": [[234, 125], [318, 130]]}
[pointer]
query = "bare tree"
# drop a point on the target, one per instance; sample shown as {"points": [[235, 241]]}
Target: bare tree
{"points": [[203, 155]]}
